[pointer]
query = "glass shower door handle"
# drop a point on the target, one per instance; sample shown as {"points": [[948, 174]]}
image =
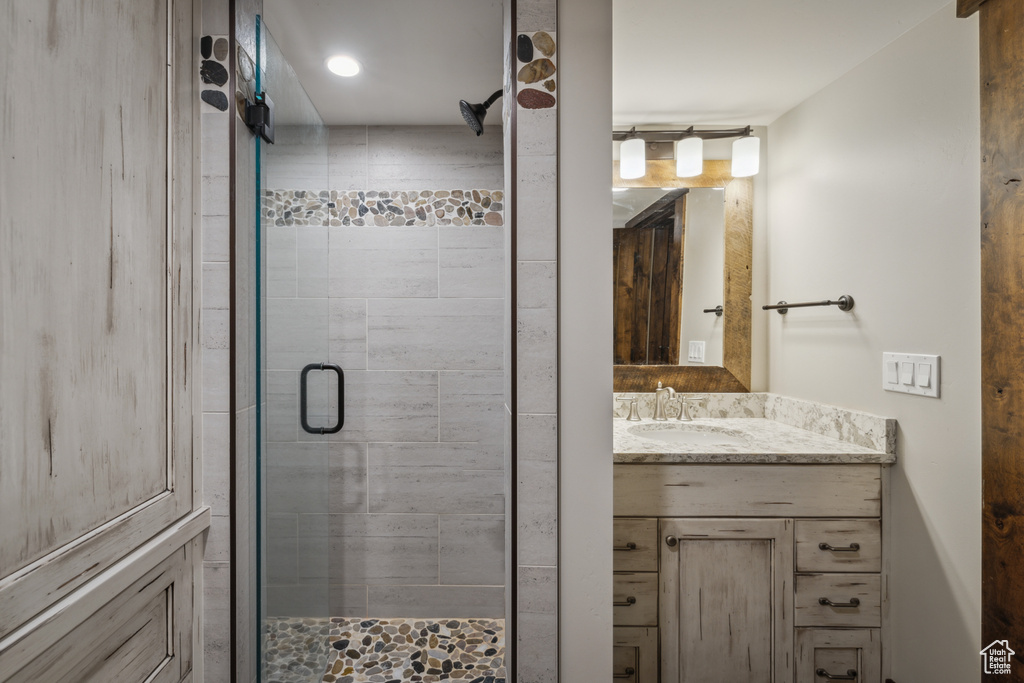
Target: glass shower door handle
{"points": [[341, 398]]}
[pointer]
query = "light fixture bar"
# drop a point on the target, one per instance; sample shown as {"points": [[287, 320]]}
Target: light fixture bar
{"points": [[675, 135]]}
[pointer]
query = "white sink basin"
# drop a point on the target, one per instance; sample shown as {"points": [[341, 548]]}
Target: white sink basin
{"points": [[691, 435]]}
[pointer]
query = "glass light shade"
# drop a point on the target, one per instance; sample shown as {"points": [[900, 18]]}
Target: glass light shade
{"points": [[633, 159], [746, 157], [343, 65], [689, 157]]}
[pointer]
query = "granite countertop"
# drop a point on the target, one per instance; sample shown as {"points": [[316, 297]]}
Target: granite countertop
{"points": [[757, 440]]}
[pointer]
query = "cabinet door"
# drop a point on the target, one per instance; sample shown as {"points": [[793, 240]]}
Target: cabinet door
{"points": [[635, 656], [726, 600]]}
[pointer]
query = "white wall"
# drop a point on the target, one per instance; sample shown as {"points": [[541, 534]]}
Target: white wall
{"points": [[585, 340], [874, 192]]}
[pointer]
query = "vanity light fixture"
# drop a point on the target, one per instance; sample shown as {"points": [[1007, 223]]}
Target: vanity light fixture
{"points": [[688, 150], [746, 156], [689, 157], [343, 65], [633, 156]]}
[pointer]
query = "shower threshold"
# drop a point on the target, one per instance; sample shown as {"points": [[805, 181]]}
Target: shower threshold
{"points": [[368, 650]]}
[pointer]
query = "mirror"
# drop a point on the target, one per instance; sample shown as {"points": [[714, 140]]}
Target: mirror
{"points": [[669, 272], [682, 247]]}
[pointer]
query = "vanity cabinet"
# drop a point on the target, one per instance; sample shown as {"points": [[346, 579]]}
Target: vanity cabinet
{"points": [[764, 572]]}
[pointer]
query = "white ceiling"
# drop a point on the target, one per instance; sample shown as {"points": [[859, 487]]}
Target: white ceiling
{"points": [[420, 57], [676, 62], [719, 62]]}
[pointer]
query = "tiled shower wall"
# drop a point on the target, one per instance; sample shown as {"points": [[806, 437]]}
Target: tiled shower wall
{"points": [[532, 141], [227, 329], [215, 321], [402, 512]]}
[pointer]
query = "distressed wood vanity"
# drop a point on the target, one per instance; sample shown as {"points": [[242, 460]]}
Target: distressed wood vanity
{"points": [[763, 559]]}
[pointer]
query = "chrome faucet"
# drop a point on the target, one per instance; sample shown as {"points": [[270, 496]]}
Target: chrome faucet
{"points": [[662, 395], [684, 405]]}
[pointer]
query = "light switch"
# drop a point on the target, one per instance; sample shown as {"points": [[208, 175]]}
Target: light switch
{"points": [[696, 354], [924, 375], [907, 373], [892, 373], [911, 373]]}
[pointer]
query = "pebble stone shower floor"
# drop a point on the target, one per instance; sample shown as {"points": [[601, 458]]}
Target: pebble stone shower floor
{"points": [[383, 650]]}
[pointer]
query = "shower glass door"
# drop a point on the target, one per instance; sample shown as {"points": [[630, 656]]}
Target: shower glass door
{"points": [[297, 383], [383, 261]]}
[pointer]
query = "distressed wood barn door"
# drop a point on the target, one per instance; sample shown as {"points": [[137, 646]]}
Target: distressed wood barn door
{"points": [[97, 201]]}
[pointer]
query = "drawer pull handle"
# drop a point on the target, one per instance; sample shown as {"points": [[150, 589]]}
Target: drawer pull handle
{"points": [[671, 541], [630, 601], [851, 675], [628, 673], [854, 602], [852, 548], [625, 548]]}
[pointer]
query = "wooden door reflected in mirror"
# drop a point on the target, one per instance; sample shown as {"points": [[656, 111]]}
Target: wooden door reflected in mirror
{"points": [[648, 257]]}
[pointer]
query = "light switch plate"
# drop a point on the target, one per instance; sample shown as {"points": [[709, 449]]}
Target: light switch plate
{"points": [[696, 354], [922, 371]]}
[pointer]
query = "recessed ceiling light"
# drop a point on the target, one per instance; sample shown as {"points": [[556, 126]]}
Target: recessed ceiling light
{"points": [[343, 65]]}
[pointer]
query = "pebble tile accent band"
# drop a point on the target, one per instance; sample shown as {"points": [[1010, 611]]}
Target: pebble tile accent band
{"points": [[384, 650], [383, 208]]}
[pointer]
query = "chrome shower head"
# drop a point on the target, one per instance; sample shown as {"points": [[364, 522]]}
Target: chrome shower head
{"points": [[474, 113]]}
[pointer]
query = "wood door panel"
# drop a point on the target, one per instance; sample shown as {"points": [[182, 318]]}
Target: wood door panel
{"points": [[98, 329], [625, 247], [83, 285], [143, 634], [726, 601], [641, 303]]}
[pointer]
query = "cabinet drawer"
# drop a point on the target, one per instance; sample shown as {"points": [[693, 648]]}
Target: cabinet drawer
{"points": [[636, 648], [624, 664], [865, 589], [825, 545], [661, 490], [635, 545], [636, 599], [853, 652]]}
